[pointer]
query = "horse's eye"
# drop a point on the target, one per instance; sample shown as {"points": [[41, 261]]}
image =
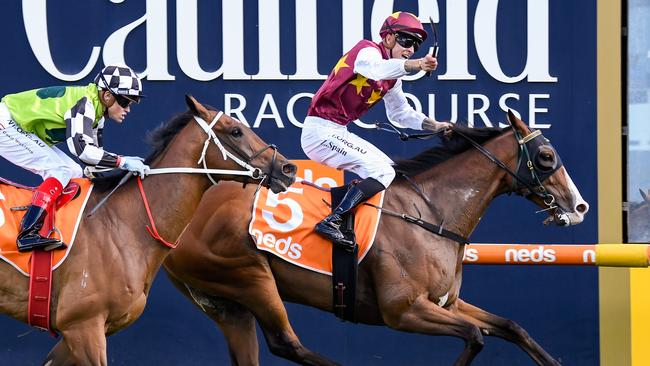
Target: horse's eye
{"points": [[545, 160], [547, 156], [236, 132]]}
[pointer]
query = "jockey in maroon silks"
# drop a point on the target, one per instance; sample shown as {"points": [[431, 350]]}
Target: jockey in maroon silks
{"points": [[364, 75]]}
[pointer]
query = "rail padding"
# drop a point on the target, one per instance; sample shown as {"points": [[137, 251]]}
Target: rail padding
{"points": [[605, 255]]}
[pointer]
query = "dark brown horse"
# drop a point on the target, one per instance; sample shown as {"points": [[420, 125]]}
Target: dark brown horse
{"points": [[103, 285], [410, 279]]}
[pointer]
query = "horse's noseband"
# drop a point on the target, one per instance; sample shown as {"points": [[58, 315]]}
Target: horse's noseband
{"points": [[258, 173], [270, 174], [253, 172], [238, 155]]}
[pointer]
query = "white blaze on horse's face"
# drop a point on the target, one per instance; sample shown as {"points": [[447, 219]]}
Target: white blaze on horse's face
{"points": [[572, 208], [581, 207]]}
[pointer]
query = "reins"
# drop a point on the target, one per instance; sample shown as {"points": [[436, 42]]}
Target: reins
{"points": [[249, 170], [433, 228], [538, 190]]}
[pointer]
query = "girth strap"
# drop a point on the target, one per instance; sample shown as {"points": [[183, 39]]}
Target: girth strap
{"points": [[40, 291], [344, 266], [40, 274], [438, 230]]}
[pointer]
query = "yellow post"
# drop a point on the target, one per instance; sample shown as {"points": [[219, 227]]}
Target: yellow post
{"points": [[614, 283], [640, 315]]}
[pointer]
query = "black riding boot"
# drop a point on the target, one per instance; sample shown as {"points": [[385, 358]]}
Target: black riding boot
{"points": [[330, 227], [29, 237]]}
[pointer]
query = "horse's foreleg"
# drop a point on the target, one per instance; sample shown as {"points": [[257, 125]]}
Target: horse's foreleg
{"points": [[238, 326], [59, 355], [423, 316], [261, 296], [507, 329], [235, 321], [86, 341]]}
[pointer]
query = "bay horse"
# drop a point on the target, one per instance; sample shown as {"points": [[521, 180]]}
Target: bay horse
{"points": [[103, 285], [409, 280]]}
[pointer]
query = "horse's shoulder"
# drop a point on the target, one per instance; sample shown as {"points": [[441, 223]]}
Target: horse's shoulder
{"points": [[231, 197], [227, 189]]}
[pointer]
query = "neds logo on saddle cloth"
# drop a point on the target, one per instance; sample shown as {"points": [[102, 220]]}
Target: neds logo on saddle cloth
{"points": [[283, 224], [67, 222]]}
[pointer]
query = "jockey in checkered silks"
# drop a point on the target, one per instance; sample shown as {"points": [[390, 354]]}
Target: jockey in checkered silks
{"points": [[34, 121]]}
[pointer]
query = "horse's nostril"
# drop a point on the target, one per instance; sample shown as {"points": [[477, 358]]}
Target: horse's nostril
{"points": [[289, 169], [582, 208]]}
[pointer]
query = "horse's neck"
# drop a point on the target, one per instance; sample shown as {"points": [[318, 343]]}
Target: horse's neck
{"points": [[174, 197], [462, 187], [172, 200]]}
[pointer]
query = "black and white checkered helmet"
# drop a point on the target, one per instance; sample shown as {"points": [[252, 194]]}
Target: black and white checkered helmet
{"points": [[121, 80]]}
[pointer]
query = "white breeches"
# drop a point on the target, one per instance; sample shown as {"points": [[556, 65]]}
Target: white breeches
{"points": [[331, 144], [28, 151]]}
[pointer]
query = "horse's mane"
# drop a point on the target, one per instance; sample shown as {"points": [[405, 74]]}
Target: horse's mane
{"points": [[159, 139], [451, 146]]}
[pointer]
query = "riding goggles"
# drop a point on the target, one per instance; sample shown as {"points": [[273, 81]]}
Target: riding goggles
{"points": [[407, 41], [123, 101]]}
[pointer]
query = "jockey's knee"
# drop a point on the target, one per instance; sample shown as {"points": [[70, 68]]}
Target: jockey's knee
{"points": [[75, 171], [385, 177], [62, 175]]}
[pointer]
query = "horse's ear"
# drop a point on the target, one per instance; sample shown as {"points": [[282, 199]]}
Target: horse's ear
{"points": [[517, 123], [643, 194], [511, 117], [197, 108]]}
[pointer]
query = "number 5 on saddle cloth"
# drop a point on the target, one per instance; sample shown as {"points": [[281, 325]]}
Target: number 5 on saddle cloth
{"points": [[283, 224]]}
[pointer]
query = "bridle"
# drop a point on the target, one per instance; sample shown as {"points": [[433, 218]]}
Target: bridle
{"points": [[239, 158], [527, 177]]}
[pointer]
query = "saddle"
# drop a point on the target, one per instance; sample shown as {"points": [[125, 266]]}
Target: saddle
{"points": [[39, 264], [283, 224], [14, 200]]}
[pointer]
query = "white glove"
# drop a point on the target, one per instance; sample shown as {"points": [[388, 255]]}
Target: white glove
{"points": [[135, 165]]}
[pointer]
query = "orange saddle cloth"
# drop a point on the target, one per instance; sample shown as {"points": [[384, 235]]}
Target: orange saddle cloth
{"points": [[67, 222], [283, 224]]}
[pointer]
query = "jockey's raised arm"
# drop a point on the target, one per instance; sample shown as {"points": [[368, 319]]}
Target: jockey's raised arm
{"points": [[364, 75]]}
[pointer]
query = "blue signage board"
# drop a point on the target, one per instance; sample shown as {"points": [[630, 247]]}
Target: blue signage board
{"points": [[261, 61]]}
